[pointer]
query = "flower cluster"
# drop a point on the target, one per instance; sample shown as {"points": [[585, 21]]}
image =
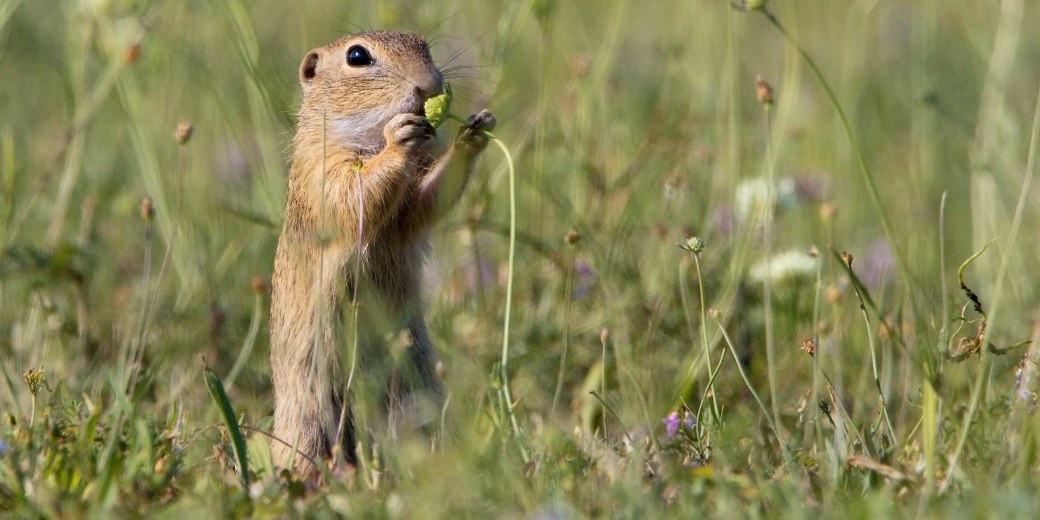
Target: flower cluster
{"points": [[438, 108], [34, 380]]}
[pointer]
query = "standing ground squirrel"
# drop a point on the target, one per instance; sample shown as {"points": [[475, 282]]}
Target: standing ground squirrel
{"points": [[364, 188]]}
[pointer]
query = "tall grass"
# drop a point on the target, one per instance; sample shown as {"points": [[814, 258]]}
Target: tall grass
{"points": [[739, 377]]}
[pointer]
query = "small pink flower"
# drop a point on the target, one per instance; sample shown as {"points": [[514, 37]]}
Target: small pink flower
{"points": [[684, 419], [671, 424]]}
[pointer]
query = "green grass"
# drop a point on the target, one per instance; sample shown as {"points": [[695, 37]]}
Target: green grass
{"points": [[903, 133]]}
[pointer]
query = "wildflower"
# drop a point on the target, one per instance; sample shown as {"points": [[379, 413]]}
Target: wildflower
{"points": [[752, 197], [586, 279], [34, 380], [675, 420], [789, 266], [689, 421], [4, 448], [880, 262], [671, 424], [809, 347], [695, 245]]}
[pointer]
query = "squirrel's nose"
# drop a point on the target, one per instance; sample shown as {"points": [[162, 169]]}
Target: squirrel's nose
{"points": [[431, 85]]}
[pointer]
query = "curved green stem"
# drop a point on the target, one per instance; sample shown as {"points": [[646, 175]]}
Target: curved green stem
{"points": [[507, 314]]}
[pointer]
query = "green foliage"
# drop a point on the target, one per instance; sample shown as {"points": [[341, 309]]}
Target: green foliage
{"points": [[753, 371], [227, 414]]}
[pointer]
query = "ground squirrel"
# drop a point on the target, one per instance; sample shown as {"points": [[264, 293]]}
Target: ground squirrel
{"points": [[364, 187]]}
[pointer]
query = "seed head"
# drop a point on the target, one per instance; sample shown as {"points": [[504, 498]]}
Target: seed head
{"points": [[763, 90], [259, 285], [147, 210], [183, 133], [572, 238], [847, 258], [132, 54], [809, 346]]}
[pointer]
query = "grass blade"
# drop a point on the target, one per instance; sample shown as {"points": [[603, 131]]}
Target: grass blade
{"points": [[227, 414]]}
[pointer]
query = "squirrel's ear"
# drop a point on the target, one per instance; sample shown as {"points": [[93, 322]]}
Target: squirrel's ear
{"points": [[309, 67]]}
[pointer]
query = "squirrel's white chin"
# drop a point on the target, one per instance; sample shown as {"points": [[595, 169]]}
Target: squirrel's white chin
{"points": [[360, 131]]}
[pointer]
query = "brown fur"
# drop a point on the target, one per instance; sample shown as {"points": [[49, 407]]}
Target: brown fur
{"points": [[363, 190]]}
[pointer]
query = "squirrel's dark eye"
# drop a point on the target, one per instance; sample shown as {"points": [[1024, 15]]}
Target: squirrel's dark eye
{"points": [[358, 56]]}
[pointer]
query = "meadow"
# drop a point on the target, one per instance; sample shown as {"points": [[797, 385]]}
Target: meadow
{"points": [[762, 262]]}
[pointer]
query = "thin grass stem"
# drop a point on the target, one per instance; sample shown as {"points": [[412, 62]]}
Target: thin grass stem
{"points": [[507, 313]]}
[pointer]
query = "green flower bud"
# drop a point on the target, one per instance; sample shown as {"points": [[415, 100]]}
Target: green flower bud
{"points": [[695, 245]]}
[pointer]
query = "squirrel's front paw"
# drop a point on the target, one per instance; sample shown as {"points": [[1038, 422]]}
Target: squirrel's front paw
{"points": [[408, 131], [474, 134]]}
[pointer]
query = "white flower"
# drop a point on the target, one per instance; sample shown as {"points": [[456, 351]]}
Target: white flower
{"points": [[790, 265], [752, 198]]}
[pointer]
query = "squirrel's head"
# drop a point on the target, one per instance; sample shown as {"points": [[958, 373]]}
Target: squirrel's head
{"points": [[357, 83]]}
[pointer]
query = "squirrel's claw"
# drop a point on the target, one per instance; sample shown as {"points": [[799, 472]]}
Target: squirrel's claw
{"points": [[474, 134], [482, 121]]}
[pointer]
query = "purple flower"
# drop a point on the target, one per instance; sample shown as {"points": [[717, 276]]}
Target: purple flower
{"points": [[879, 264], [671, 424], [586, 279], [689, 421]]}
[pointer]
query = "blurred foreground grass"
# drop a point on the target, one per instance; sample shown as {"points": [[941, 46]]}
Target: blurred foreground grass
{"points": [[633, 128]]}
